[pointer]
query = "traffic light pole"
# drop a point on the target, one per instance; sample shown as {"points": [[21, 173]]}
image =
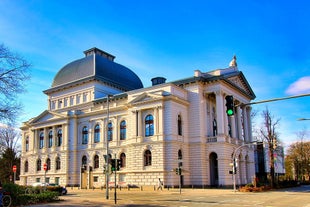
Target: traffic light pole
{"points": [[107, 152], [115, 162]]}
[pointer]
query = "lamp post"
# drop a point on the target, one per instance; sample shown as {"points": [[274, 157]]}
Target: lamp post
{"points": [[303, 119], [234, 160], [107, 149]]}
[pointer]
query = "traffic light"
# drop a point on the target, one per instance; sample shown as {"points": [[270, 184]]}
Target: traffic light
{"points": [[119, 164], [178, 171], [229, 105], [113, 167]]}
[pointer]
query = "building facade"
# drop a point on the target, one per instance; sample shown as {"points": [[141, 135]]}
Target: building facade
{"points": [[152, 130]]}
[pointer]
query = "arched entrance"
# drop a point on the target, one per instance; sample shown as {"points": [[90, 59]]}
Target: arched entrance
{"points": [[214, 175]]}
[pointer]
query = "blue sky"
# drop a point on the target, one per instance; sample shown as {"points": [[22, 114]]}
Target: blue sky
{"points": [[170, 39]]}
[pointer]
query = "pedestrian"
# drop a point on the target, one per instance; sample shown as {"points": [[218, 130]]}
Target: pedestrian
{"points": [[160, 184]]}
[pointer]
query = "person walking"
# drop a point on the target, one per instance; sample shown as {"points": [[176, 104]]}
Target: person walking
{"points": [[160, 184]]}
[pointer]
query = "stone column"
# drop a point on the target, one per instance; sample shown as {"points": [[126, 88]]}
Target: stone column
{"points": [[249, 109], [220, 113], [35, 140], [245, 124], [139, 123], [239, 122]]}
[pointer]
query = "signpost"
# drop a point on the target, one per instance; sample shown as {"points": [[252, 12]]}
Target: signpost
{"points": [[14, 170], [45, 169]]}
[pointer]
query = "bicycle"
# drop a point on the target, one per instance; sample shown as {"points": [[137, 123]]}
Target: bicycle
{"points": [[6, 199]]}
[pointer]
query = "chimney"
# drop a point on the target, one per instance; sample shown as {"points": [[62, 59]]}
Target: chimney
{"points": [[158, 80]]}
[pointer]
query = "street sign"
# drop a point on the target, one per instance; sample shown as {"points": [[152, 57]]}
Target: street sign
{"points": [[14, 168], [45, 167]]}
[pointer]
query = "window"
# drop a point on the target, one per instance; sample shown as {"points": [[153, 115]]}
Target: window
{"points": [[38, 165], [84, 161], [50, 139], [123, 130], [59, 137], [110, 131], [48, 163], [214, 127], [97, 133], [57, 180], [27, 144], [147, 158], [149, 125], [41, 142], [58, 163], [179, 125], [96, 179], [96, 161], [84, 135], [26, 166], [123, 160]]}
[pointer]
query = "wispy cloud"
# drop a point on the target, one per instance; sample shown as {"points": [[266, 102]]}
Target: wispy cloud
{"points": [[302, 85]]}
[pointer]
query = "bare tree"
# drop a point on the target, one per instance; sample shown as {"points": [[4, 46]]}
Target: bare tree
{"points": [[269, 134], [9, 139], [14, 73]]}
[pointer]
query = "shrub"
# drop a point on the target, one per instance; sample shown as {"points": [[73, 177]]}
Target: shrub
{"points": [[37, 195]]}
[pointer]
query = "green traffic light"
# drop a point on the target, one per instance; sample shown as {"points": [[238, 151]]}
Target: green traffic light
{"points": [[230, 112]]}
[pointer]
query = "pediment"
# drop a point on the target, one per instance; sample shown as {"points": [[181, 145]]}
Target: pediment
{"points": [[147, 97], [46, 116], [241, 83]]}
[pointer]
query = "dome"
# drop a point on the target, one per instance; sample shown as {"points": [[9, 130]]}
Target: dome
{"points": [[97, 65]]}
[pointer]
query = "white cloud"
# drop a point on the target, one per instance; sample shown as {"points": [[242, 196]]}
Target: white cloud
{"points": [[302, 85]]}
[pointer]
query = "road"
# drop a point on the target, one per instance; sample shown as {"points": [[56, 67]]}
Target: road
{"points": [[290, 197]]}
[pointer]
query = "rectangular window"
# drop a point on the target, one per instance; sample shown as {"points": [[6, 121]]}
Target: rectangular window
{"points": [[57, 180], [96, 179]]}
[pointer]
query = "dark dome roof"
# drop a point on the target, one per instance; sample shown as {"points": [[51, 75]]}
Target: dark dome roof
{"points": [[98, 65]]}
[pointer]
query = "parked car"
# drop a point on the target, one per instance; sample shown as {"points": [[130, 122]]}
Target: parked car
{"points": [[64, 190], [37, 184]]}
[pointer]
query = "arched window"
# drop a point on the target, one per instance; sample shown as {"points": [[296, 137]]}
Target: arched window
{"points": [[26, 166], [147, 158], [179, 125], [123, 160], [85, 135], [41, 141], [149, 125], [59, 137], [123, 130], [27, 144], [50, 139], [58, 163], [96, 161], [38, 165], [97, 133], [48, 163], [110, 131], [84, 161]]}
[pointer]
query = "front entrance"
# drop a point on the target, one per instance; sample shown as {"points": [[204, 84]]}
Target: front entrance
{"points": [[214, 175]]}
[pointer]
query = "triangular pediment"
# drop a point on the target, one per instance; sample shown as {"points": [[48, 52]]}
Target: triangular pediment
{"points": [[46, 116], [242, 84], [147, 97]]}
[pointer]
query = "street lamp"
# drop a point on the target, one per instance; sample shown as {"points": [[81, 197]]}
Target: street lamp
{"points": [[234, 160], [303, 119], [107, 149]]}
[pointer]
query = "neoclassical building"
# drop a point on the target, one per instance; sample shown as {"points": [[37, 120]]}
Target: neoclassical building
{"points": [[152, 130]]}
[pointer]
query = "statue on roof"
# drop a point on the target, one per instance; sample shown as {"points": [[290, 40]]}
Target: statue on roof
{"points": [[233, 62]]}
